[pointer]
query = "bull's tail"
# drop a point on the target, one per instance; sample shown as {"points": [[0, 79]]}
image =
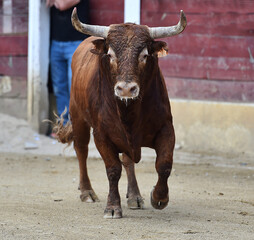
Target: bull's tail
{"points": [[64, 132]]}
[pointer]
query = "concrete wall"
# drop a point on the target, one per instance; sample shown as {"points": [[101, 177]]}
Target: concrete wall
{"points": [[214, 126]]}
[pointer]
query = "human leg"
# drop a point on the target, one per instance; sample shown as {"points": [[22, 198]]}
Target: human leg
{"points": [[69, 51], [59, 77]]}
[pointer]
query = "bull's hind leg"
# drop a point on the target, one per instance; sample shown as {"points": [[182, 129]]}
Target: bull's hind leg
{"points": [[135, 201], [81, 139]]}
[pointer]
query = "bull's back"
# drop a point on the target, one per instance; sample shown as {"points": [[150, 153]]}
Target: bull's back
{"points": [[85, 67]]}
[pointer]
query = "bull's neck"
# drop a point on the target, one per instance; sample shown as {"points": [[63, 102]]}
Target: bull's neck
{"points": [[128, 114]]}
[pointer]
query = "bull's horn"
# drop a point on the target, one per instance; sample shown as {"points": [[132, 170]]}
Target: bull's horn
{"points": [[161, 32], [93, 30]]}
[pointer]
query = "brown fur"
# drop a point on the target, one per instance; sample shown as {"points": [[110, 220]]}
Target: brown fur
{"points": [[64, 133], [119, 127]]}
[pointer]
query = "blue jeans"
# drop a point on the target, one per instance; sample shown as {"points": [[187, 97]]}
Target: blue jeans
{"points": [[60, 62]]}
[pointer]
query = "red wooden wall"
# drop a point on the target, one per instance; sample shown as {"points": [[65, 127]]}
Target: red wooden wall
{"points": [[106, 12], [13, 46], [212, 58]]}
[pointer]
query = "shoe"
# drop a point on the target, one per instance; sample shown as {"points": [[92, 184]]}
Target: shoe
{"points": [[53, 135]]}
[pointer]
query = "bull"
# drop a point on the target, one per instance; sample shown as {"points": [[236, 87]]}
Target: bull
{"points": [[118, 90]]}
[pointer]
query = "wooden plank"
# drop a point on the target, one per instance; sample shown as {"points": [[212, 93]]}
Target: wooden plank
{"points": [[13, 45], [13, 66], [212, 23], [210, 46], [199, 6], [18, 16], [210, 90], [232, 69], [106, 17], [18, 88], [19, 24], [20, 7], [107, 5]]}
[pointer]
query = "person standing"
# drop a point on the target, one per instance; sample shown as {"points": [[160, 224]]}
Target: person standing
{"points": [[64, 41]]}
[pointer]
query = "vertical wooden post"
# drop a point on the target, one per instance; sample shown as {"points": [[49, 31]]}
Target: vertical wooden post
{"points": [[132, 11], [38, 61], [7, 16]]}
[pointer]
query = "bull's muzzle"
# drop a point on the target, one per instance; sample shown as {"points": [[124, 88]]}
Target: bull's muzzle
{"points": [[126, 90]]}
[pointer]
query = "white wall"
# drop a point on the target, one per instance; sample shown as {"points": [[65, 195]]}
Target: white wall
{"points": [[38, 61], [132, 11]]}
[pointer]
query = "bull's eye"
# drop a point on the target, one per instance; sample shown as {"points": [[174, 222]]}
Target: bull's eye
{"points": [[111, 54], [143, 56]]}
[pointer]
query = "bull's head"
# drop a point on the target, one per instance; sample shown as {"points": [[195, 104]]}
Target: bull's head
{"points": [[130, 51]]}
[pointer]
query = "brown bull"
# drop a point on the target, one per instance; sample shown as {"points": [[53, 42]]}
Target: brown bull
{"points": [[119, 91]]}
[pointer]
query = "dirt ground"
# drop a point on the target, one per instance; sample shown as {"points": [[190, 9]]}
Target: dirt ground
{"points": [[210, 198]]}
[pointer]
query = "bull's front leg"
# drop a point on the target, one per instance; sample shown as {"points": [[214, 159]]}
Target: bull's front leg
{"points": [[135, 200], [164, 147], [113, 169]]}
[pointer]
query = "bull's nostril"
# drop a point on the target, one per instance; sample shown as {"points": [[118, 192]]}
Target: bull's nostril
{"points": [[133, 89], [119, 88]]}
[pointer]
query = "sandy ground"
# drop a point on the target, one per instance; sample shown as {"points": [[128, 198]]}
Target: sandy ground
{"points": [[211, 196]]}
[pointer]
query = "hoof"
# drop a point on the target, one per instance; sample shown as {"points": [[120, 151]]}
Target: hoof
{"points": [[158, 204], [136, 203], [113, 213], [89, 196]]}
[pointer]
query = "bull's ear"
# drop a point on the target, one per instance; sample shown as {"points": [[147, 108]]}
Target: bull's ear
{"points": [[160, 48], [99, 46]]}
